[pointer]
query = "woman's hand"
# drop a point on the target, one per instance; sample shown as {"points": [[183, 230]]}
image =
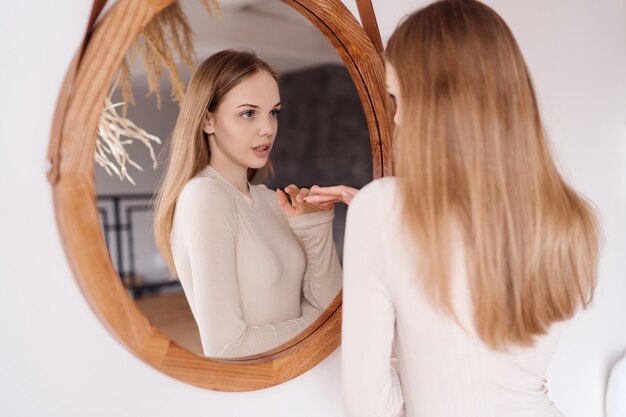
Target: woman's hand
{"points": [[299, 205], [331, 195]]}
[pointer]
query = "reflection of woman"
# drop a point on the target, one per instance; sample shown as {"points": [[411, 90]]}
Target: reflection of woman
{"points": [[256, 269], [470, 260]]}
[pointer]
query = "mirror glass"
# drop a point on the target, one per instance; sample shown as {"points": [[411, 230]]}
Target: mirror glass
{"points": [[322, 140]]}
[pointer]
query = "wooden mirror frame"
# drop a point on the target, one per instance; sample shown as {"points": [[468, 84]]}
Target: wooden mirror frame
{"points": [[71, 155]]}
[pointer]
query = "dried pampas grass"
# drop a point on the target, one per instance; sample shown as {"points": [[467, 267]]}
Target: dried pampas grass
{"points": [[168, 33], [110, 145]]}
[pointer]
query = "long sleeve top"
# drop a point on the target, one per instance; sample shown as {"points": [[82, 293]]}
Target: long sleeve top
{"points": [[443, 368], [253, 278]]}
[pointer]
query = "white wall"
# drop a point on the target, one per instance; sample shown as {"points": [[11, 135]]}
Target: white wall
{"points": [[56, 359]]}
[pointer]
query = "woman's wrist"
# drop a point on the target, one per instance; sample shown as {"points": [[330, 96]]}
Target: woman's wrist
{"points": [[308, 220]]}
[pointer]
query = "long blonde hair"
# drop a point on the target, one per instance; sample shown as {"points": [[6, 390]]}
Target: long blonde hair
{"points": [[189, 147], [471, 147]]}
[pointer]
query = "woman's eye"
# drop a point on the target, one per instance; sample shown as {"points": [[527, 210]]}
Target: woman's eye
{"points": [[274, 113], [247, 114]]}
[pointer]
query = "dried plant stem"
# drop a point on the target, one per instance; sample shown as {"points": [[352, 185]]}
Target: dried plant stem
{"points": [[109, 144], [168, 33], [161, 56]]}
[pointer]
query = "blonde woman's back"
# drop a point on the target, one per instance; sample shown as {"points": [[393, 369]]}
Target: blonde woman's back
{"points": [[444, 367], [475, 256]]}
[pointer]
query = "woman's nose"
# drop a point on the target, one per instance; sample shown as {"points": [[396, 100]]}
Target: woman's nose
{"points": [[267, 127]]}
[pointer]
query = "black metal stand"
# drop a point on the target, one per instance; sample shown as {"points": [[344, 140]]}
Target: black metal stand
{"points": [[120, 230]]}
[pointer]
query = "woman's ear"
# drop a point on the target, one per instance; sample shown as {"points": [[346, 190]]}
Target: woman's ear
{"points": [[208, 123]]}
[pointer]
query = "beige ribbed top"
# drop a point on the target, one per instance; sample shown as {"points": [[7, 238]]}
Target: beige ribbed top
{"points": [[443, 368], [253, 278]]}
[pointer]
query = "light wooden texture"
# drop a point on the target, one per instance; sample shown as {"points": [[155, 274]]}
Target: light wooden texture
{"points": [[54, 146], [370, 24], [74, 194], [171, 314]]}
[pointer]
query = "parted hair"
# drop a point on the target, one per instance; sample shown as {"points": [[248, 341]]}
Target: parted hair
{"points": [[189, 150], [471, 151]]}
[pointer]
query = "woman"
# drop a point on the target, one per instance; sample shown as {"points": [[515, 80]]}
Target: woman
{"points": [[467, 264], [256, 269]]}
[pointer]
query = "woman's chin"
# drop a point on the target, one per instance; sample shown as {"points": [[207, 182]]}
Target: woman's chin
{"points": [[259, 163]]}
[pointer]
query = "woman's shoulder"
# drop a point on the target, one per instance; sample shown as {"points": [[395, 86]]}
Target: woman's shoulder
{"points": [[203, 190], [379, 193], [380, 187]]}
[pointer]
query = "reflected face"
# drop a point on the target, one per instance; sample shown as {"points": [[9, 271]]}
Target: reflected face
{"points": [[243, 127], [393, 88]]}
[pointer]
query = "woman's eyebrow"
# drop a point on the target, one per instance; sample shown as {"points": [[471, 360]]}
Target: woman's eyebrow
{"points": [[254, 106]]}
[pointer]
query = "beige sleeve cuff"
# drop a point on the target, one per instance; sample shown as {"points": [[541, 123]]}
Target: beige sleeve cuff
{"points": [[307, 221]]}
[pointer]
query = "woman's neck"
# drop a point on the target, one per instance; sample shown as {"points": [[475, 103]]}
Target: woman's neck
{"points": [[235, 175]]}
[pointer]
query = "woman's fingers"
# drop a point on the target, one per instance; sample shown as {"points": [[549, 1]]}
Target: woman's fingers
{"points": [[282, 198], [304, 201], [336, 190], [292, 190], [336, 194], [317, 199], [315, 190], [284, 204], [302, 193]]}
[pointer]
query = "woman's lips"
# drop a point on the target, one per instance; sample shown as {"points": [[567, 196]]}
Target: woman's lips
{"points": [[262, 151]]}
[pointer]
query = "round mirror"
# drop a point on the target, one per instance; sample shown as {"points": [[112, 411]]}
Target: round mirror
{"points": [[322, 139], [106, 228]]}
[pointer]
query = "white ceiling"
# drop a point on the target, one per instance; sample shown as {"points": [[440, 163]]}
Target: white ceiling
{"points": [[278, 33]]}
